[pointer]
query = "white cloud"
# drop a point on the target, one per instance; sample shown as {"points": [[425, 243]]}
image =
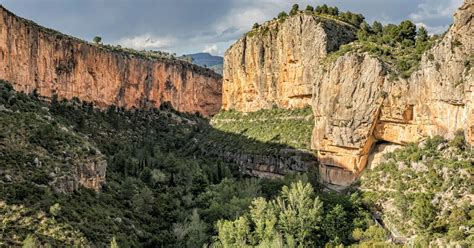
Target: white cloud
{"points": [[242, 16], [212, 49], [435, 9], [146, 41], [433, 29]]}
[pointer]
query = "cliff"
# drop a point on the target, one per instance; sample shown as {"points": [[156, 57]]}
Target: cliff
{"points": [[273, 65], [33, 57], [357, 107], [361, 110]]}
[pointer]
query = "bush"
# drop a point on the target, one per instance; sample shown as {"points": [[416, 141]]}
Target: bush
{"points": [[282, 15], [294, 10], [459, 140]]}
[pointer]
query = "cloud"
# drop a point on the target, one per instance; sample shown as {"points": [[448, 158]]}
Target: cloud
{"points": [[433, 29], [212, 49], [188, 26], [146, 41], [435, 15], [435, 9]]}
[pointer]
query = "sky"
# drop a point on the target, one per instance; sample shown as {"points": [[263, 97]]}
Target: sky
{"points": [[190, 26]]}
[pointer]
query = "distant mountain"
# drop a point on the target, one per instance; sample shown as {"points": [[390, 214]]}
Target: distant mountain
{"points": [[207, 60]]}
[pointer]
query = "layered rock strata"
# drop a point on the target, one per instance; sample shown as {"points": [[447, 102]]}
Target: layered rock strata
{"points": [[356, 105], [36, 58], [273, 65]]}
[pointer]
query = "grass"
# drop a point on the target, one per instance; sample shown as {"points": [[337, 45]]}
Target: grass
{"points": [[292, 128]]}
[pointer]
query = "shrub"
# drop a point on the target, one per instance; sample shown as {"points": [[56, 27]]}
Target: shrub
{"points": [[459, 140], [282, 15], [294, 9]]}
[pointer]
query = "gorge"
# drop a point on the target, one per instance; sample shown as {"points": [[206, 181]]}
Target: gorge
{"points": [[356, 102], [323, 131]]}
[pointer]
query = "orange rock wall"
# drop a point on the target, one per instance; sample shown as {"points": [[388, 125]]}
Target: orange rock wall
{"points": [[32, 57]]}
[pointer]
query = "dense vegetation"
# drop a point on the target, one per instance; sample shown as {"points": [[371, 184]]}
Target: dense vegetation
{"points": [[299, 217], [289, 127], [424, 192], [161, 188], [321, 12], [399, 46], [325, 11], [421, 196]]}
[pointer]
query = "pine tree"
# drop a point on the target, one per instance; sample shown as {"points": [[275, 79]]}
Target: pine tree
{"points": [[97, 39], [294, 10], [421, 35], [377, 27]]}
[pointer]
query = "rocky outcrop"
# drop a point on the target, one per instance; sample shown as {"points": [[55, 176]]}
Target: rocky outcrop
{"points": [[273, 65], [346, 105], [36, 58], [88, 174], [356, 105], [274, 165]]}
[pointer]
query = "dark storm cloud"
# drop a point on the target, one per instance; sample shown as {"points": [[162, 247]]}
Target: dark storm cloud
{"points": [[186, 26]]}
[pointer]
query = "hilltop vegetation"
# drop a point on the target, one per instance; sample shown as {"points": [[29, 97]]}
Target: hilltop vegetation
{"points": [[399, 46]]}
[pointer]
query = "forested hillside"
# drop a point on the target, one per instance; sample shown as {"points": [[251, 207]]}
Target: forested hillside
{"points": [[161, 189]]}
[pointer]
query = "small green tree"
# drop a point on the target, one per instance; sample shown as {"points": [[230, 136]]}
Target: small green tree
{"points": [[377, 27], [282, 15], [422, 34], [336, 225], [233, 233], [333, 11], [406, 31], [300, 213], [256, 25], [143, 201], [309, 8], [97, 40], [294, 9], [423, 212], [324, 9]]}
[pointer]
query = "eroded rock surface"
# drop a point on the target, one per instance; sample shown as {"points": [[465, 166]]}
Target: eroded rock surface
{"points": [[33, 57], [274, 64], [355, 104]]}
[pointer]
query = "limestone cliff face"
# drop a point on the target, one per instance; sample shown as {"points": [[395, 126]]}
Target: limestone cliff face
{"points": [[274, 64], [356, 105], [32, 57], [346, 103]]}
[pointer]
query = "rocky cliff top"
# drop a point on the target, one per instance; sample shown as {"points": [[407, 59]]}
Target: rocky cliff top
{"points": [[128, 52], [272, 65]]}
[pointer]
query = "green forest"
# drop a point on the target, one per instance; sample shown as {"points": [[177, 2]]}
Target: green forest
{"points": [[162, 190]]}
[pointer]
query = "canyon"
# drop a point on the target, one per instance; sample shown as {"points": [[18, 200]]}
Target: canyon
{"points": [[359, 109], [322, 132], [34, 58]]}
